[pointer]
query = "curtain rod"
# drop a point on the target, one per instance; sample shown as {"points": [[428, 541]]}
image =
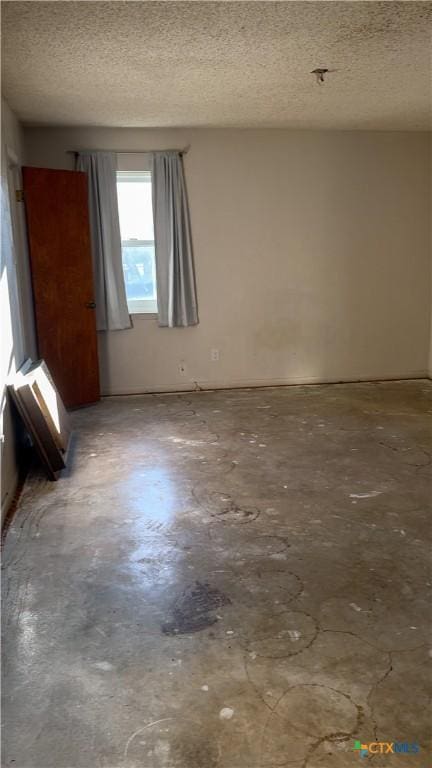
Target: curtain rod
{"points": [[128, 151]]}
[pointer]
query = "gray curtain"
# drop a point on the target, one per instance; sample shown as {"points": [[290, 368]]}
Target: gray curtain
{"points": [[175, 273], [110, 294]]}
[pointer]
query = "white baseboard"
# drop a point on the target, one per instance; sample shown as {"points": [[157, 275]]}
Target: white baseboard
{"points": [[192, 386]]}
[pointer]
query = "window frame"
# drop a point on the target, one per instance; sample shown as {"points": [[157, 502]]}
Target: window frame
{"points": [[139, 306]]}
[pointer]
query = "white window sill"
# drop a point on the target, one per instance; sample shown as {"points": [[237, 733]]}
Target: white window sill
{"points": [[143, 314], [142, 306]]}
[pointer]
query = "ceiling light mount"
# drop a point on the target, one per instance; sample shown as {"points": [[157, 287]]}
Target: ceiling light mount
{"points": [[319, 74]]}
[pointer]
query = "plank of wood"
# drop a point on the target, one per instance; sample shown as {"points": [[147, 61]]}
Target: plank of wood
{"points": [[43, 413], [50, 403], [37, 442], [39, 426]]}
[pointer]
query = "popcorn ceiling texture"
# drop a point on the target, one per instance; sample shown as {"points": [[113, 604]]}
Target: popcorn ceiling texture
{"points": [[245, 64]]}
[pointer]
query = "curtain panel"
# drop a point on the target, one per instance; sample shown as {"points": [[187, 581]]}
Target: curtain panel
{"points": [[110, 294], [175, 271]]}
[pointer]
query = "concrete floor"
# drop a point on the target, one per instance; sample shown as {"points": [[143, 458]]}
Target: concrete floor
{"points": [[235, 579]]}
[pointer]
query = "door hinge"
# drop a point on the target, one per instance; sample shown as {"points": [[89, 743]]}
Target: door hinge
{"points": [[19, 195]]}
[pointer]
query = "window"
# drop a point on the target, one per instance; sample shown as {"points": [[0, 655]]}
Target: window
{"points": [[134, 193]]}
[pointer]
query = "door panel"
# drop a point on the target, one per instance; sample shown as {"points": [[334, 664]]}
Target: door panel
{"points": [[60, 255]]}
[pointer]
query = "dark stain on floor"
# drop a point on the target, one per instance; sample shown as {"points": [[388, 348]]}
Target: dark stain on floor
{"points": [[194, 609], [234, 513]]}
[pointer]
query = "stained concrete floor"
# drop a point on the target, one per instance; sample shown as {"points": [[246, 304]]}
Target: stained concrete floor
{"points": [[235, 579]]}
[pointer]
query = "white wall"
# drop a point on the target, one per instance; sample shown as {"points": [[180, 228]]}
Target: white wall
{"points": [[17, 332], [312, 257]]}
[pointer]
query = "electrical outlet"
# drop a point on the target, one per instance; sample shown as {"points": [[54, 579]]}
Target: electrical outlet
{"points": [[214, 355], [182, 368]]}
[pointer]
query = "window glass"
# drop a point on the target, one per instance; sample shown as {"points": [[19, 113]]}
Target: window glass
{"points": [[137, 234]]}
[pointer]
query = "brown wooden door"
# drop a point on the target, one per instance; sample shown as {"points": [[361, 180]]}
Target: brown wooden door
{"points": [[60, 255]]}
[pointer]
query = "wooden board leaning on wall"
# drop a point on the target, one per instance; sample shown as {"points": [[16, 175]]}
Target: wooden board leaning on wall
{"points": [[43, 414]]}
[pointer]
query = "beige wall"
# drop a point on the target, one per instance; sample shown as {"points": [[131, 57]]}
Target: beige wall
{"points": [[430, 249], [15, 304], [312, 257]]}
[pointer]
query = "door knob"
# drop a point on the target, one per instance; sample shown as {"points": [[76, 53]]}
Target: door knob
{"points": [[90, 304]]}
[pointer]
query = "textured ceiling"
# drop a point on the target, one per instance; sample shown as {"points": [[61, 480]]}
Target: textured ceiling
{"points": [[219, 63]]}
